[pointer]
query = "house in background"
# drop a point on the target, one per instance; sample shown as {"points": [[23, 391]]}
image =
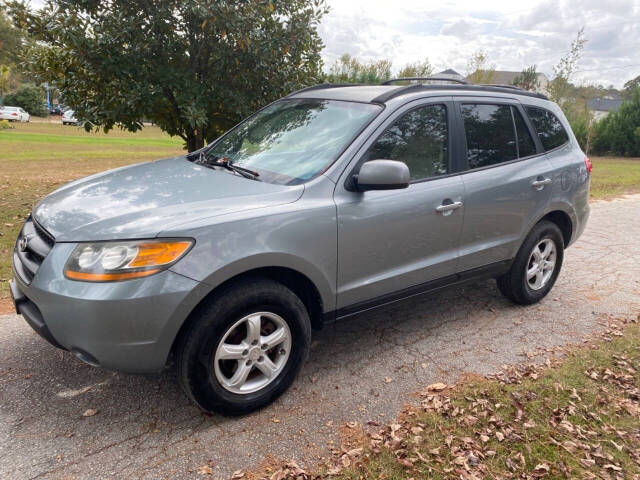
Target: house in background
{"points": [[505, 77], [449, 73], [600, 107]]}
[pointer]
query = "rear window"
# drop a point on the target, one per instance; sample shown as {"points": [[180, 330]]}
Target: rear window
{"points": [[550, 130]]}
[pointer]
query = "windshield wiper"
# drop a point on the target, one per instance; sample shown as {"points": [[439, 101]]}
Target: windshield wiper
{"points": [[204, 159]]}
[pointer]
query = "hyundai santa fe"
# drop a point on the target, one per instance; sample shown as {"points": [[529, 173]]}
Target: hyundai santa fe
{"points": [[331, 201]]}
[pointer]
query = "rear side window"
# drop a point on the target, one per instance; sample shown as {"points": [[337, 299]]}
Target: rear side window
{"points": [[490, 133], [419, 139], [526, 146], [550, 130]]}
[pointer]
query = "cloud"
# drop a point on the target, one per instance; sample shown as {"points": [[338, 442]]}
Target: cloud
{"points": [[448, 32]]}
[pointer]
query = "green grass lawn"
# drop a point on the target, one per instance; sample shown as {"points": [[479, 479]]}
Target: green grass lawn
{"points": [[614, 176], [36, 158]]}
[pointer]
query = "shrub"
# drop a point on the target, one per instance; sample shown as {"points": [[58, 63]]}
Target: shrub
{"points": [[619, 132], [29, 97]]}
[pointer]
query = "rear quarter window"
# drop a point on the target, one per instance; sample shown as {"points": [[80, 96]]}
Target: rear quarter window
{"points": [[549, 128]]}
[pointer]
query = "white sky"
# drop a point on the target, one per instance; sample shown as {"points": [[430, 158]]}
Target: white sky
{"points": [[516, 34]]}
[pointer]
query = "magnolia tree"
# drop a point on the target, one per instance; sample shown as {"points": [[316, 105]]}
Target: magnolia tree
{"points": [[193, 67]]}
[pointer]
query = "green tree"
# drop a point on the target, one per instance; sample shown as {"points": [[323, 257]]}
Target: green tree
{"points": [[193, 67], [619, 132], [9, 39], [348, 69], [29, 97], [560, 87], [630, 87], [479, 71], [5, 79], [527, 79], [417, 69]]}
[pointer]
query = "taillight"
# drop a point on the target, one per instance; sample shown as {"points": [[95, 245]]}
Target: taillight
{"points": [[588, 164], [14, 114]]}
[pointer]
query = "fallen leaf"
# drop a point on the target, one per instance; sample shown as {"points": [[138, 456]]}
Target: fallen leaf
{"points": [[436, 387], [90, 412], [387, 380], [205, 470]]}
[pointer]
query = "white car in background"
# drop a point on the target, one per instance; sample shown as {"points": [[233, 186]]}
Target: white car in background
{"points": [[14, 114], [69, 118]]}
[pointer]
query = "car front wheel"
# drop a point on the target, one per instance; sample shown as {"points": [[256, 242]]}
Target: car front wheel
{"points": [[244, 347], [536, 267]]}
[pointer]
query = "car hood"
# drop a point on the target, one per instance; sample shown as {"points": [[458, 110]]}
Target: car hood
{"points": [[140, 201]]}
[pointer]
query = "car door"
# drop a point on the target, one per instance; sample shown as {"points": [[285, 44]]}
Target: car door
{"points": [[507, 180], [393, 242]]}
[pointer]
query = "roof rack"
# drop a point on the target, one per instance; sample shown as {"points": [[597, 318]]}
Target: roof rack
{"points": [[325, 85], [501, 85], [409, 79], [396, 92]]}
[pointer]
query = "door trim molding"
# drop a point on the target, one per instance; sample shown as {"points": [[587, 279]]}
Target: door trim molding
{"points": [[486, 271]]}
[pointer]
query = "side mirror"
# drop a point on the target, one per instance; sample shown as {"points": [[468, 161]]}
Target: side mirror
{"points": [[382, 175]]}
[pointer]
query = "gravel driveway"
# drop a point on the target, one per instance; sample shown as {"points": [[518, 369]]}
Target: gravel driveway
{"points": [[363, 369]]}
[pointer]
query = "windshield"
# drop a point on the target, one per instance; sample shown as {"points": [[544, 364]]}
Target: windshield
{"points": [[291, 141]]}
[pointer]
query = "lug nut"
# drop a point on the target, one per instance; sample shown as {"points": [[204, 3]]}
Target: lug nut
{"points": [[282, 351], [255, 342], [260, 358], [245, 353], [264, 346], [248, 362]]}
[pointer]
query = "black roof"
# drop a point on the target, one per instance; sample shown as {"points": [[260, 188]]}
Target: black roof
{"points": [[605, 104], [448, 71]]}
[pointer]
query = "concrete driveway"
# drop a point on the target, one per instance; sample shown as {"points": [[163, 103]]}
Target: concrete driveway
{"points": [[360, 370]]}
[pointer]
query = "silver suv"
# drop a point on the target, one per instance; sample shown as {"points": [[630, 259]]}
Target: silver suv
{"points": [[331, 201]]}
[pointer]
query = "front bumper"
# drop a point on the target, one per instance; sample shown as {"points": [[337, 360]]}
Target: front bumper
{"points": [[31, 314], [127, 326]]}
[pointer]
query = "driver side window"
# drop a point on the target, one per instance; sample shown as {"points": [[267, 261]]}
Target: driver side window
{"points": [[419, 139]]}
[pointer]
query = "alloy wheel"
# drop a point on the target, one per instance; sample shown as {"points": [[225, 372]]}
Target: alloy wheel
{"points": [[542, 263], [252, 353]]}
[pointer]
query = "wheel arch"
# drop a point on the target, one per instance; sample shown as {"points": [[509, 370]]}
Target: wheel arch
{"points": [[564, 223], [298, 282], [560, 213]]}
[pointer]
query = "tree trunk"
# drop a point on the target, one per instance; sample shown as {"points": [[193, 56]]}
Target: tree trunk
{"points": [[195, 140]]}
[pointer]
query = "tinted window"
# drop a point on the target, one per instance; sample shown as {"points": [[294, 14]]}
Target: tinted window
{"points": [[419, 139], [490, 134], [526, 146], [551, 132]]}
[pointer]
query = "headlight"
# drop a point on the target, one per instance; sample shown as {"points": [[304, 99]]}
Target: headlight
{"points": [[112, 261]]}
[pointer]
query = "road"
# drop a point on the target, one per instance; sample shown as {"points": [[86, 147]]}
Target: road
{"points": [[359, 370]]}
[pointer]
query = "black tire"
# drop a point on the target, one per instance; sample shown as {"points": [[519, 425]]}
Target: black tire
{"points": [[514, 284], [196, 348]]}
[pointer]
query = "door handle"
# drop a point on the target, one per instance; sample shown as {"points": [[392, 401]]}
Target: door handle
{"points": [[446, 209], [539, 184]]}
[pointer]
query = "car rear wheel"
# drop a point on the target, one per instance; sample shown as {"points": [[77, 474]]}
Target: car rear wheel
{"points": [[244, 347], [536, 267]]}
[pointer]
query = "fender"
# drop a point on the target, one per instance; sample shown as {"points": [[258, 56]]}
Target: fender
{"points": [[555, 205], [325, 288]]}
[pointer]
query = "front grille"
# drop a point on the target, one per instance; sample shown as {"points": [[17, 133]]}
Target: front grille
{"points": [[33, 245]]}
